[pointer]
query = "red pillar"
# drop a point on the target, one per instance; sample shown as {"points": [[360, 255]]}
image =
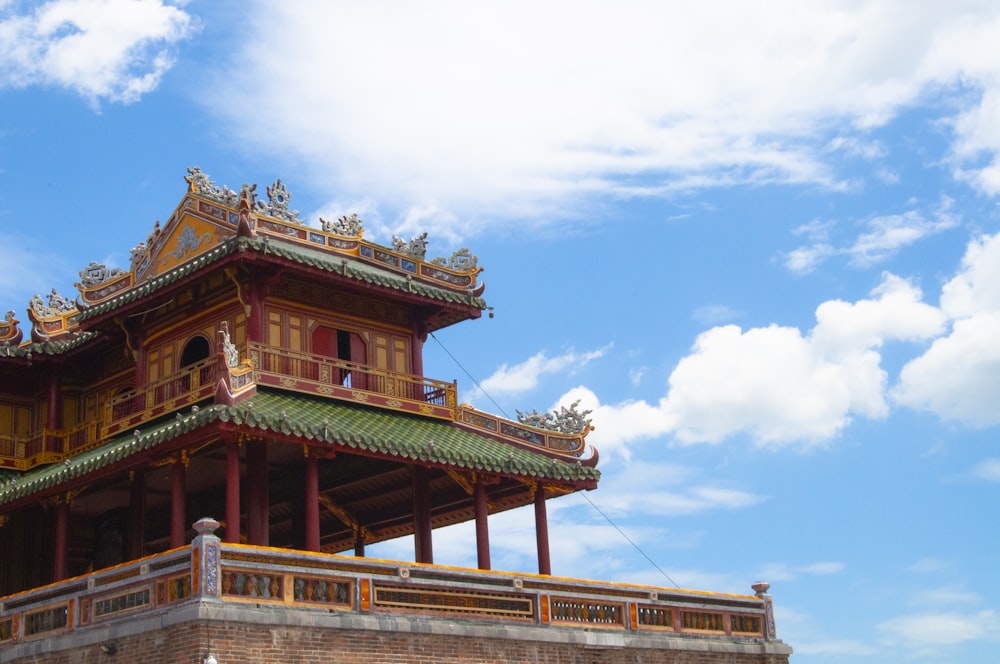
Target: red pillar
{"points": [[136, 515], [482, 525], [178, 519], [422, 516], [60, 567], [258, 499], [417, 354], [232, 491], [312, 502], [542, 532], [52, 419]]}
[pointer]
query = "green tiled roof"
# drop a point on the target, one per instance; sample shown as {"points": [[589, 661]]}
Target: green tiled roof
{"points": [[334, 263], [47, 347], [408, 438]]}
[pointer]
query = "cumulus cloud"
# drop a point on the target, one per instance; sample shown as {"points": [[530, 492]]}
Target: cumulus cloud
{"points": [[115, 50], [777, 384], [958, 377], [434, 105], [781, 386]]}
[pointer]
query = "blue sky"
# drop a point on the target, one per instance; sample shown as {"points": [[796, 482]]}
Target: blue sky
{"points": [[760, 242]]}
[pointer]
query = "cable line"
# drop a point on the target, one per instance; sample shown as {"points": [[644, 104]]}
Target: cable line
{"points": [[592, 504]]}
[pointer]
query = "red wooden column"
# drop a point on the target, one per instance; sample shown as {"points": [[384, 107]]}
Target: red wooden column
{"points": [[359, 542], [178, 519], [312, 500], [542, 531], [258, 498], [482, 525], [417, 352], [60, 566], [136, 514], [232, 491], [423, 546], [52, 417]]}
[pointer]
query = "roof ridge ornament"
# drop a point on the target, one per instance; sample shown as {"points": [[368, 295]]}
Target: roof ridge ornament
{"points": [[461, 261], [97, 273], [565, 420], [415, 248], [199, 183], [347, 225], [277, 203]]}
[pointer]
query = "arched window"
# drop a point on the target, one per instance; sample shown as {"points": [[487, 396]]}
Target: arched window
{"points": [[195, 350]]}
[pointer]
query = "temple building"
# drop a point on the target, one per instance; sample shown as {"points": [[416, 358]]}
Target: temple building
{"points": [[196, 451]]}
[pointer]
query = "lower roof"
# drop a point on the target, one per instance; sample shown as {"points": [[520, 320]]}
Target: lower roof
{"points": [[317, 422]]}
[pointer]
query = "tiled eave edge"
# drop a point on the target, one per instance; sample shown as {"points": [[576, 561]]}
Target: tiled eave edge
{"points": [[28, 350], [420, 447], [302, 256]]}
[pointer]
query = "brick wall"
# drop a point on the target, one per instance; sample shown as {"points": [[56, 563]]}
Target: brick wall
{"points": [[265, 644]]}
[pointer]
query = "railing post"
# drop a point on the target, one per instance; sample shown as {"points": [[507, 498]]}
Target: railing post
{"points": [[761, 589], [205, 563]]}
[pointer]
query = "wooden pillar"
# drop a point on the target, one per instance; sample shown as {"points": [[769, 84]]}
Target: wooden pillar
{"points": [[542, 532], [359, 543], [312, 500], [136, 514], [60, 566], [423, 546], [258, 498], [52, 417], [482, 525], [417, 353], [232, 491], [178, 519]]}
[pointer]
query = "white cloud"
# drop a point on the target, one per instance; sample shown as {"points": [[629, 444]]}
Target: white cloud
{"points": [[775, 383], [958, 377], [888, 234], [783, 572], [936, 629], [928, 566], [525, 376], [988, 469], [884, 237], [713, 314], [101, 49], [525, 108], [782, 386], [937, 597]]}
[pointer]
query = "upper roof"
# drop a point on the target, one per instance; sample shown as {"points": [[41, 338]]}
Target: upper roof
{"points": [[213, 224]]}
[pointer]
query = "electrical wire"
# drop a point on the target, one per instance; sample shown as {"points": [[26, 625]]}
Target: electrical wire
{"points": [[592, 503]]}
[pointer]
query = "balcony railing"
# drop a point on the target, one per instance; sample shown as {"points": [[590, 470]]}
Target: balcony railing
{"points": [[274, 367], [327, 376], [190, 385], [294, 580]]}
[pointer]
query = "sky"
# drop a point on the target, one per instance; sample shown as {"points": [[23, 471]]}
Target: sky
{"points": [[759, 241]]}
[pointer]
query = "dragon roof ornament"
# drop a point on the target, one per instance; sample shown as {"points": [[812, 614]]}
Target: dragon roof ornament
{"points": [[565, 420], [347, 225], [199, 183]]}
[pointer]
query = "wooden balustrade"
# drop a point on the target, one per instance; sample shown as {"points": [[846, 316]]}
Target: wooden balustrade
{"points": [[350, 381]]}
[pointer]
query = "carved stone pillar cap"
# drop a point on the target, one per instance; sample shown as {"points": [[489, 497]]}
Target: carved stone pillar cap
{"points": [[761, 588], [206, 525]]}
